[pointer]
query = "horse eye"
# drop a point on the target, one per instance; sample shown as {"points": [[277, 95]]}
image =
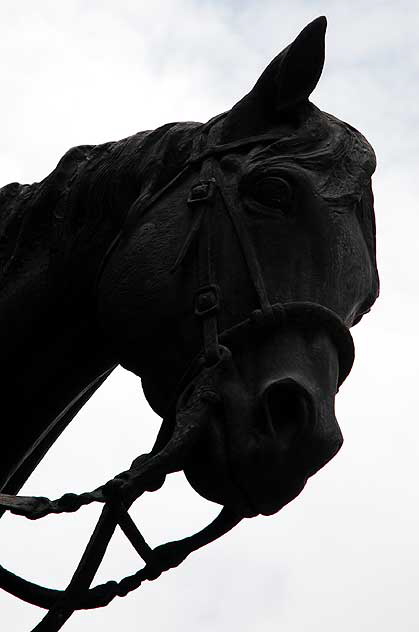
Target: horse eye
{"points": [[272, 192]]}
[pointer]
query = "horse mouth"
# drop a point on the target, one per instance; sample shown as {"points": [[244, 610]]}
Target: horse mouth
{"points": [[270, 426], [253, 480], [256, 456], [249, 494], [250, 507]]}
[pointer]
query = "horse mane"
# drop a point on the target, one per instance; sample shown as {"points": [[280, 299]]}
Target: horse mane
{"points": [[86, 198]]}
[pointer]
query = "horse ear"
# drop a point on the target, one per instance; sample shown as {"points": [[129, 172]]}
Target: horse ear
{"points": [[283, 86]]}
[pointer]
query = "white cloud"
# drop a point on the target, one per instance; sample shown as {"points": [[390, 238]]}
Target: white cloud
{"points": [[344, 555]]}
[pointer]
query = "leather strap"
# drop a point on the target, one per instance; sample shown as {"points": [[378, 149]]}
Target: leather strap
{"points": [[247, 247], [207, 295]]}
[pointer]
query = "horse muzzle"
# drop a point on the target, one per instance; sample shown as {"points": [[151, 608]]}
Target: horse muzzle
{"points": [[273, 426]]}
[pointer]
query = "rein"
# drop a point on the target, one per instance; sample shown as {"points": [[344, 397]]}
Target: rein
{"points": [[190, 413]]}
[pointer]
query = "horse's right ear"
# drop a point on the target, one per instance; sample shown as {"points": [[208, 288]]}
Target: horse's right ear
{"points": [[285, 84]]}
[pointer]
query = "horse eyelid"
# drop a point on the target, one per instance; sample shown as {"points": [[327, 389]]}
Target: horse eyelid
{"points": [[279, 198]]}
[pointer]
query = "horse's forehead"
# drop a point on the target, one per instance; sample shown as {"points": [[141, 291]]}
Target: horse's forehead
{"points": [[339, 158]]}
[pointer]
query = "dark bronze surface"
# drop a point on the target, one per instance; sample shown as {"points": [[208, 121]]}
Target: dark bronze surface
{"points": [[224, 264]]}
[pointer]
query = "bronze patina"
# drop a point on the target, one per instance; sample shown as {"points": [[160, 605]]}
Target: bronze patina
{"points": [[224, 263]]}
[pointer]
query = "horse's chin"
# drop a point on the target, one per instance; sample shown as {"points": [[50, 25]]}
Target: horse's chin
{"points": [[250, 490], [224, 490], [268, 508], [208, 469]]}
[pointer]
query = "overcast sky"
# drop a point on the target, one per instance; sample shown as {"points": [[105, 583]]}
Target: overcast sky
{"points": [[344, 555]]}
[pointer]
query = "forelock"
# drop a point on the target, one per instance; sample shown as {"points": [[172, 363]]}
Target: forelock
{"points": [[338, 154]]}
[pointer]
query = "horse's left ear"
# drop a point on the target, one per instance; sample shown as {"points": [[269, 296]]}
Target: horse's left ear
{"points": [[285, 84]]}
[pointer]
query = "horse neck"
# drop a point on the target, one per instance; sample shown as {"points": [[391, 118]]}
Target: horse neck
{"points": [[53, 249], [54, 356]]}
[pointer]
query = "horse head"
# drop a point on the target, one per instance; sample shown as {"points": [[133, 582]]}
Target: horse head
{"points": [[248, 261], [224, 264]]}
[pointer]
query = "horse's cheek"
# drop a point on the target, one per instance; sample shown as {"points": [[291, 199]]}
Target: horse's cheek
{"points": [[120, 294], [353, 273], [138, 295]]}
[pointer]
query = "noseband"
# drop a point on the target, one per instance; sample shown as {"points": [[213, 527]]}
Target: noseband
{"points": [[147, 473]]}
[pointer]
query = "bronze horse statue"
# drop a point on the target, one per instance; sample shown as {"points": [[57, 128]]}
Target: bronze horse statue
{"points": [[224, 264]]}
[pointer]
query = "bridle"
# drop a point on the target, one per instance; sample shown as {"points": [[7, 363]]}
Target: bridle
{"points": [[206, 152], [148, 472], [305, 314]]}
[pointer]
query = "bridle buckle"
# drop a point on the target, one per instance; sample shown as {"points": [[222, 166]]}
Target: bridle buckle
{"points": [[201, 192], [207, 300]]}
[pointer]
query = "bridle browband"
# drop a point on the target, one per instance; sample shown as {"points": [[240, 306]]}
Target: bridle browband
{"points": [[148, 472]]}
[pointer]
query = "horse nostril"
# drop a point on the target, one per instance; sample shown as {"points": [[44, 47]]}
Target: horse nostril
{"points": [[289, 410]]}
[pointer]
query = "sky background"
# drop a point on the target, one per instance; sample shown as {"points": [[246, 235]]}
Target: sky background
{"points": [[345, 554]]}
